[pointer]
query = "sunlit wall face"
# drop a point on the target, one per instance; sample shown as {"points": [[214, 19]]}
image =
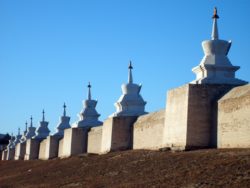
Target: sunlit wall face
{"points": [[50, 50]]}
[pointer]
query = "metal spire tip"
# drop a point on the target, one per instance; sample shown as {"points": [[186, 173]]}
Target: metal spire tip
{"points": [[215, 15], [130, 65], [89, 85]]}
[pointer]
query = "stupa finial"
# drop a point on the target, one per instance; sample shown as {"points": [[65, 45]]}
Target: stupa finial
{"points": [[130, 76], [43, 115], [18, 130], [26, 125], [64, 109], [31, 121], [215, 16], [89, 91], [215, 33]]}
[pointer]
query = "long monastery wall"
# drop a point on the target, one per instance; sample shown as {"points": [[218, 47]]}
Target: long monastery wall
{"points": [[148, 131]]}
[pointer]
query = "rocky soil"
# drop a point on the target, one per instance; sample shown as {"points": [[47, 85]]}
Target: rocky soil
{"points": [[201, 168]]}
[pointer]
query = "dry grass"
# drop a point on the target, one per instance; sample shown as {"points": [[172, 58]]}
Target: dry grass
{"points": [[202, 168]]}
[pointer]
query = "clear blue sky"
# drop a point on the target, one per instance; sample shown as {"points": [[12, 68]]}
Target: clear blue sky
{"points": [[50, 49]]}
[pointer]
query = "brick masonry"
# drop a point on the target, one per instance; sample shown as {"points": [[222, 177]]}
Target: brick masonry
{"points": [[191, 116], [117, 133], [95, 140], [148, 131], [234, 118]]}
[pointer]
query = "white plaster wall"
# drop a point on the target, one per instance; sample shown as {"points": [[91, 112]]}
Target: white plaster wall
{"points": [[4, 155], [60, 148], [95, 140], [17, 151], [74, 141], [32, 149], [27, 150], [10, 154], [42, 149], [234, 119], [117, 133], [106, 135], [52, 146], [148, 131], [20, 151], [191, 115], [67, 141], [175, 129]]}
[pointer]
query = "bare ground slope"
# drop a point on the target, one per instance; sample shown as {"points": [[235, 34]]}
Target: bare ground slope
{"points": [[202, 168]]}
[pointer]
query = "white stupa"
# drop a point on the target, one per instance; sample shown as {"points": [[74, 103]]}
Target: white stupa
{"points": [[23, 138], [63, 124], [17, 138], [11, 142], [215, 67], [42, 130], [31, 130], [131, 102], [88, 117]]}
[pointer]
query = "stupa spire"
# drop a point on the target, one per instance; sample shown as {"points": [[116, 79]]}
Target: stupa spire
{"points": [[89, 91], [130, 76], [64, 109], [215, 33], [31, 121], [26, 126], [30, 132], [17, 138], [43, 116]]}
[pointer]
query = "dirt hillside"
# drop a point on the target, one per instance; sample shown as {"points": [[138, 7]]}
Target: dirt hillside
{"points": [[202, 168]]}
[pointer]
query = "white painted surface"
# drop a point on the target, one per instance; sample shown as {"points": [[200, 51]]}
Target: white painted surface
{"points": [[215, 67], [130, 102]]}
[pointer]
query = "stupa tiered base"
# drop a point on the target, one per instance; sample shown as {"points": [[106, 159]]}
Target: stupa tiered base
{"points": [[214, 74]]}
